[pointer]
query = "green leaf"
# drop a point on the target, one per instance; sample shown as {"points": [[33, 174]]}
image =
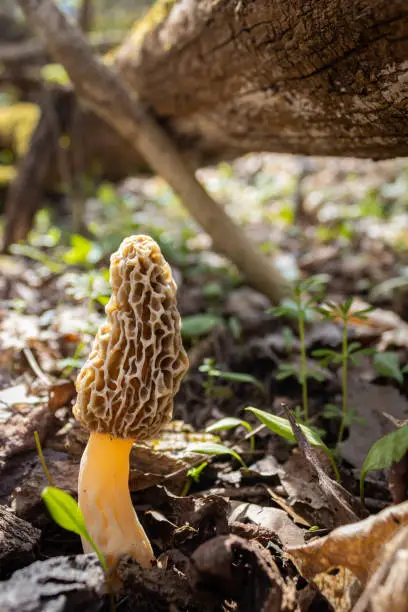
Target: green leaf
{"points": [[228, 423], [331, 411], [64, 510], [102, 299], [353, 347], [324, 353], [387, 364], [387, 450], [67, 514], [211, 448], [282, 427], [241, 377], [79, 252], [199, 325], [195, 472], [55, 73], [285, 370]]}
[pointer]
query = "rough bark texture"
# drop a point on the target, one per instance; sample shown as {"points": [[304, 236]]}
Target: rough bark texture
{"points": [[59, 584], [321, 77], [18, 540]]}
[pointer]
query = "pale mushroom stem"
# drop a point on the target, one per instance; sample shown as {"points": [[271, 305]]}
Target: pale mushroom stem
{"points": [[104, 498]]}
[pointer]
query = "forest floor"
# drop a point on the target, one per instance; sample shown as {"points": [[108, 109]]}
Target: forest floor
{"points": [[240, 518]]}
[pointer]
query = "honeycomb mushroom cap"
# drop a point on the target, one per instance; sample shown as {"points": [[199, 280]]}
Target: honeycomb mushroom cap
{"points": [[126, 386]]}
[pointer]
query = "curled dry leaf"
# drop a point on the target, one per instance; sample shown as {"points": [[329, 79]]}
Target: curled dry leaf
{"points": [[276, 521], [388, 587], [344, 507], [357, 547]]}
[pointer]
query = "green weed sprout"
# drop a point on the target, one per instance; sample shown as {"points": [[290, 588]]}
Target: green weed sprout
{"points": [[388, 450], [344, 314], [209, 368], [301, 308], [387, 364], [64, 509], [229, 423]]}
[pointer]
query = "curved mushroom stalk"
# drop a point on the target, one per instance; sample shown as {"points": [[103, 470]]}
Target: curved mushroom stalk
{"points": [[104, 498], [125, 391]]}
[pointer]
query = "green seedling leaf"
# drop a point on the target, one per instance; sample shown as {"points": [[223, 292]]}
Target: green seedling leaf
{"points": [[55, 73], [67, 514], [199, 325], [64, 510], [285, 370], [241, 377], [211, 448], [195, 472], [282, 427], [79, 252], [387, 450], [228, 423], [387, 364]]}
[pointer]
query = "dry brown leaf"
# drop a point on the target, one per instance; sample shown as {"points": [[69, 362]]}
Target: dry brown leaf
{"points": [[60, 394], [340, 588], [344, 507], [356, 547], [369, 403], [388, 587], [273, 519]]}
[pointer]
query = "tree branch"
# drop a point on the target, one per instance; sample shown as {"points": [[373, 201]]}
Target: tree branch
{"points": [[101, 89]]}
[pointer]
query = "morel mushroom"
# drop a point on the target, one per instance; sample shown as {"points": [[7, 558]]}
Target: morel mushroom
{"points": [[125, 392]]}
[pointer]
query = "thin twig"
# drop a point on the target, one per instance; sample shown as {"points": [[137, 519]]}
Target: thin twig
{"points": [[46, 380]]}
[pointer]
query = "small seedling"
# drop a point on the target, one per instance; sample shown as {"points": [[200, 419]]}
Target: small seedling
{"points": [[64, 509], [331, 411], [387, 364], [209, 368], [198, 325], [213, 448], [349, 352], [384, 453], [193, 475], [301, 308], [229, 423]]}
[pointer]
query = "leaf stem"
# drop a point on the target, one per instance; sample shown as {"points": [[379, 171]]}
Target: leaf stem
{"points": [[41, 455], [303, 366], [344, 386]]}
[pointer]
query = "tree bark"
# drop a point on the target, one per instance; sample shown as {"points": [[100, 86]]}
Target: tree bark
{"points": [[312, 77]]}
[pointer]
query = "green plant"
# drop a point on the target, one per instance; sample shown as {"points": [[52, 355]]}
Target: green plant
{"points": [[206, 448], [209, 368], [69, 363], [301, 308], [64, 509], [198, 325], [282, 427], [387, 364], [229, 423], [342, 313], [213, 448], [384, 453]]}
